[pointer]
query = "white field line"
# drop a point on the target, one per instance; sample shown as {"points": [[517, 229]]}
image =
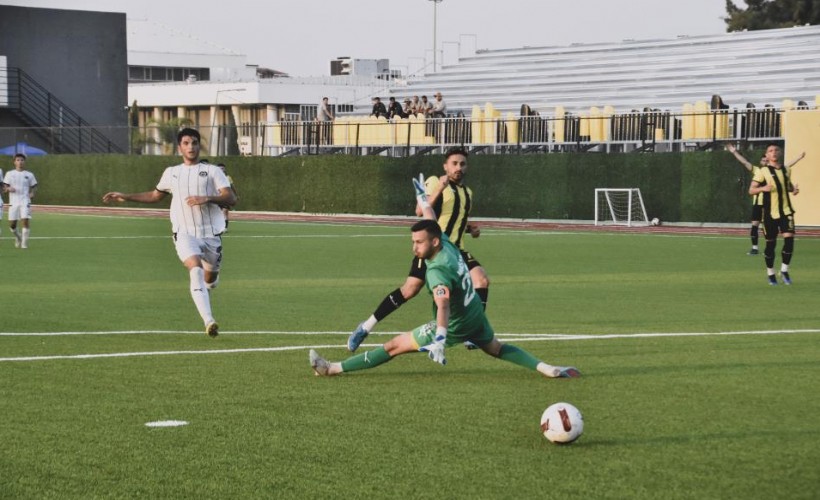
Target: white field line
{"points": [[495, 232], [518, 337], [250, 236]]}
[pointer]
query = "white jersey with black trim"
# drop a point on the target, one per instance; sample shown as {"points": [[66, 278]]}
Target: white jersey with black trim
{"points": [[202, 179], [23, 182]]}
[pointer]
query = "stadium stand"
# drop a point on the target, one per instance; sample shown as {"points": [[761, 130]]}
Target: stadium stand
{"points": [[661, 95], [762, 67]]}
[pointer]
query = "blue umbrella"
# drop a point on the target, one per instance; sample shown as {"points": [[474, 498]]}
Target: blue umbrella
{"points": [[21, 147]]}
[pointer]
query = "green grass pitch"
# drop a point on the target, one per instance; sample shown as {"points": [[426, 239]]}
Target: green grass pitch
{"points": [[99, 336]]}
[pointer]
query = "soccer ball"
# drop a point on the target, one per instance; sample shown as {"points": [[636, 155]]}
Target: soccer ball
{"points": [[656, 222], [562, 423]]}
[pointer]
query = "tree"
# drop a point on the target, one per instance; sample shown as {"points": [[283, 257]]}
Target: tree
{"points": [[167, 131], [768, 14]]}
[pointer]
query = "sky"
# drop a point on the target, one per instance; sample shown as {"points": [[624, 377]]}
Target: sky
{"points": [[301, 37]]}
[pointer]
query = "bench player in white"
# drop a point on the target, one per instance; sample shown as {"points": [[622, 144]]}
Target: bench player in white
{"points": [[198, 190], [21, 186]]}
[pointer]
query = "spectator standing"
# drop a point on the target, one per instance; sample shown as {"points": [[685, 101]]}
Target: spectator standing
{"points": [[439, 107], [324, 114], [378, 108], [21, 186], [325, 117]]}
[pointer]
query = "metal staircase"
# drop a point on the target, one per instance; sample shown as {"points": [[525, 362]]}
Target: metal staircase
{"points": [[62, 129]]}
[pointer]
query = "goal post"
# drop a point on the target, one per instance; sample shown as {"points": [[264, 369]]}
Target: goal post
{"points": [[620, 207]]}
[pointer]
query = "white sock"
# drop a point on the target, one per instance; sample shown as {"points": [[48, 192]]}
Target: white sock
{"points": [[370, 323], [770, 271], [548, 370], [24, 239], [199, 293], [784, 268]]}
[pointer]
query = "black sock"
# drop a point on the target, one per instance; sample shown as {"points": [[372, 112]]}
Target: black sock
{"points": [[753, 233], [393, 301], [788, 249], [768, 253]]}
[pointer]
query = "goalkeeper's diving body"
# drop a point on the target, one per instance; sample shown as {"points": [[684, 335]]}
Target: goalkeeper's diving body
{"points": [[451, 201], [459, 315]]}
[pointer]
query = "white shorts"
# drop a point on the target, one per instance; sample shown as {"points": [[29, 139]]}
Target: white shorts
{"points": [[208, 249], [17, 212]]}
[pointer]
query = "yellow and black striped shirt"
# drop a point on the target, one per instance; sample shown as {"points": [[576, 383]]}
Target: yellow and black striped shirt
{"points": [[452, 209], [776, 203], [757, 199]]}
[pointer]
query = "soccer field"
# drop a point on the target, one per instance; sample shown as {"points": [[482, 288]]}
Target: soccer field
{"points": [[699, 379]]}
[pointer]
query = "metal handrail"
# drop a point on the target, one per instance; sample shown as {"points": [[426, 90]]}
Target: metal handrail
{"points": [[62, 129]]}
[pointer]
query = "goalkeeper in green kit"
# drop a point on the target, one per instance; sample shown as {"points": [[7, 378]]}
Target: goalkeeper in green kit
{"points": [[459, 315]]}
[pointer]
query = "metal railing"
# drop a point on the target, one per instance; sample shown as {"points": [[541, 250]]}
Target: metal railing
{"points": [[635, 131], [649, 130], [59, 128]]}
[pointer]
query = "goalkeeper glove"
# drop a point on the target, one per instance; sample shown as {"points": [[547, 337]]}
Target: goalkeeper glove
{"points": [[421, 194], [435, 350]]}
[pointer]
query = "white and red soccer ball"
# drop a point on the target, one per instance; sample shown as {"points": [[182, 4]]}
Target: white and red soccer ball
{"points": [[562, 423]]}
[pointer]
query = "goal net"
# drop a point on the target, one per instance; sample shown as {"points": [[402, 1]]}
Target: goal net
{"points": [[620, 207]]}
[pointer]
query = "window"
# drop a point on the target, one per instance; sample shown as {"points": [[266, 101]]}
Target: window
{"points": [[166, 74]]}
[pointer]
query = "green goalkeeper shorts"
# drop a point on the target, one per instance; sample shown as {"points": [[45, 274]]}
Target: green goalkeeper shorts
{"points": [[479, 333]]}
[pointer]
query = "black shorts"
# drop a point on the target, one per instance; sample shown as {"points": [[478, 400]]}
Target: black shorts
{"points": [[771, 227], [469, 259], [418, 268], [757, 212]]}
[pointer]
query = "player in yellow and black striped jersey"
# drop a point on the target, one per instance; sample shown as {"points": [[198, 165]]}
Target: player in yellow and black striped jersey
{"points": [[452, 202], [757, 200], [772, 181]]}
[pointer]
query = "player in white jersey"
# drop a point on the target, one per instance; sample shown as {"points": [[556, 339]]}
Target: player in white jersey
{"points": [[21, 186], [197, 190]]}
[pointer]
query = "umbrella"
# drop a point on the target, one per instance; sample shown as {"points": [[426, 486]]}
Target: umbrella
{"points": [[21, 147]]}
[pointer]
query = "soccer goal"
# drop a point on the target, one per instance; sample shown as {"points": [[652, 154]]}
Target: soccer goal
{"points": [[620, 207]]}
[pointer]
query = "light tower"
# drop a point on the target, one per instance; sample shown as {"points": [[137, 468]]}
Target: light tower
{"points": [[435, 4]]}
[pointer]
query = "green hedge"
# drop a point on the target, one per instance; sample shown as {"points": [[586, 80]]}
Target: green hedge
{"points": [[690, 187]]}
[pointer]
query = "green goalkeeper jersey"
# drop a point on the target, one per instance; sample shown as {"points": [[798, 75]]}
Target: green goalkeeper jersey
{"points": [[449, 269]]}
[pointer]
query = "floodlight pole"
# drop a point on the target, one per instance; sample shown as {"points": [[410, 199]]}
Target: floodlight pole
{"points": [[435, 4]]}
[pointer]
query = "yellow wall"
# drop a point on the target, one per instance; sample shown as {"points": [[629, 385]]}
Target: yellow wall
{"points": [[802, 133]]}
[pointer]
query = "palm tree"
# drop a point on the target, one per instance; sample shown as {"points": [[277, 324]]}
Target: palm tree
{"points": [[167, 131]]}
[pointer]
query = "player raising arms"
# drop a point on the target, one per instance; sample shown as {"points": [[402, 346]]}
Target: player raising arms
{"points": [[459, 315], [198, 191], [757, 200], [772, 181], [451, 201]]}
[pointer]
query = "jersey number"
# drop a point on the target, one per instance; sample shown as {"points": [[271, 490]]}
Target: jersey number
{"points": [[466, 284]]}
